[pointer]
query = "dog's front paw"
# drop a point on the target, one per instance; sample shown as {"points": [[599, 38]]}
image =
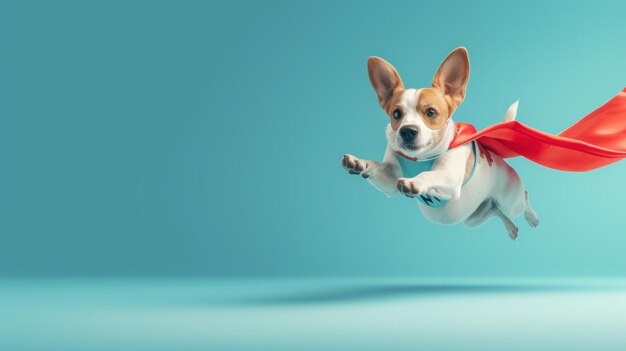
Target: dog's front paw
{"points": [[410, 187], [355, 166]]}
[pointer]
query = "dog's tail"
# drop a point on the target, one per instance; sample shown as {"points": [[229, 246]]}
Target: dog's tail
{"points": [[511, 113]]}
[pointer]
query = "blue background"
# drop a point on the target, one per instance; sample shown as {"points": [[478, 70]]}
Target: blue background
{"points": [[205, 138]]}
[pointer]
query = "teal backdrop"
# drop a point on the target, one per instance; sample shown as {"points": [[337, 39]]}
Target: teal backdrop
{"points": [[205, 138]]}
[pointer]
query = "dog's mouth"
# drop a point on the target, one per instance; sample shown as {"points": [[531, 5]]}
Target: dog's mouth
{"points": [[410, 146]]}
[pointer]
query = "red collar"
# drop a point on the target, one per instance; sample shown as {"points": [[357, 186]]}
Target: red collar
{"points": [[415, 159], [400, 153]]}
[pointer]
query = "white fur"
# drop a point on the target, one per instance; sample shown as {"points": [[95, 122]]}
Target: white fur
{"points": [[494, 190]]}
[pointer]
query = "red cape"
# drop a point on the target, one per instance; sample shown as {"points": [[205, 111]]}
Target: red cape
{"points": [[597, 140]]}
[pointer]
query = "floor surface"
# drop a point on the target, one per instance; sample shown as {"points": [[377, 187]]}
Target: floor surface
{"points": [[313, 314]]}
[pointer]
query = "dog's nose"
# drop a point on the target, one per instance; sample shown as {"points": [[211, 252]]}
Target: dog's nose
{"points": [[408, 133]]}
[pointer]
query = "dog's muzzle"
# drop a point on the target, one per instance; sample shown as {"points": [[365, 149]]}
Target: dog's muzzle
{"points": [[408, 134]]}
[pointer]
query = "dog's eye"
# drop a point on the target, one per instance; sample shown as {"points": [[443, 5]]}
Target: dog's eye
{"points": [[397, 114], [430, 112]]}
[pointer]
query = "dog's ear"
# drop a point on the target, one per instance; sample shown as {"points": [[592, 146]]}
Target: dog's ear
{"points": [[385, 80], [452, 76]]}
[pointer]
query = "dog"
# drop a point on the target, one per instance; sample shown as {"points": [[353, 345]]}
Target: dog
{"points": [[467, 183]]}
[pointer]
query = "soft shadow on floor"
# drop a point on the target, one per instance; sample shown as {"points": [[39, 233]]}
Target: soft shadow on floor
{"points": [[348, 294]]}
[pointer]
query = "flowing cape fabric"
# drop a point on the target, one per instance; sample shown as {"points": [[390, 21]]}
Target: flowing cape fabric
{"points": [[597, 140]]}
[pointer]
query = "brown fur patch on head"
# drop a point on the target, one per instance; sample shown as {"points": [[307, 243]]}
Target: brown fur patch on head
{"points": [[433, 98], [393, 104]]}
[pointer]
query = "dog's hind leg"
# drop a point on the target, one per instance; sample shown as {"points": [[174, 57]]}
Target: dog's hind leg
{"points": [[511, 228], [529, 213], [484, 211], [487, 209]]}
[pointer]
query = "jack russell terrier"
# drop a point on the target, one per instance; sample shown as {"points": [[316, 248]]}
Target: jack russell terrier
{"points": [[467, 183]]}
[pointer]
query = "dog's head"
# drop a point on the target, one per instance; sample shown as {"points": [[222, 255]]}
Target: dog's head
{"points": [[420, 118]]}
